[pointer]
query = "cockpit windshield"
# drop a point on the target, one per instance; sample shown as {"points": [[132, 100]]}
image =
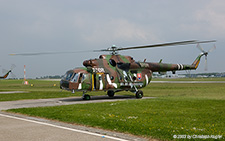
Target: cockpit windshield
{"points": [[68, 75], [74, 77]]}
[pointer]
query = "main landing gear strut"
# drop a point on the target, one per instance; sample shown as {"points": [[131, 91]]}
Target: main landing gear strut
{"points": [[111, 93], [138, 93]]}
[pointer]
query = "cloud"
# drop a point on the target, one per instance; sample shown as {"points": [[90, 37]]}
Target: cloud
{"points": [[101, 29], [208, 21]]}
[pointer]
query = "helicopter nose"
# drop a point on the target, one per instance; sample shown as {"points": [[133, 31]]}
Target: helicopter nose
{"points": [[64, 84]]}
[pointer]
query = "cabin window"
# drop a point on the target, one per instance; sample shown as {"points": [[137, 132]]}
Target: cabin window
{"points": [[112, 77], [81, 77], [112, 62]]}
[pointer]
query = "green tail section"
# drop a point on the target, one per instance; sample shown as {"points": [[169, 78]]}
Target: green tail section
{"points": [[197, 61]]}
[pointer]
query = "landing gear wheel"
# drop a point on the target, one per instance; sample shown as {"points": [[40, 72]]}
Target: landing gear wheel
{"points": [[86, 97], [110, 93], [139, 94]]}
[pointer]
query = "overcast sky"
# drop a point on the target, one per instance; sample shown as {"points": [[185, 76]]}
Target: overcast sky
{"points": [[73, 25]]}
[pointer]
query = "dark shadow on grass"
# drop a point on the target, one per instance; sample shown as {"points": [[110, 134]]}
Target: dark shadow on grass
{"points": [[105, 97]]}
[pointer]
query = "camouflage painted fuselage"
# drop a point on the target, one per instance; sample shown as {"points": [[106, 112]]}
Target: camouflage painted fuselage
{"points": [[116, 72]]}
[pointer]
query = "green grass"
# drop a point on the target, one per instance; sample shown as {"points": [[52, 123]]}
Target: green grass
{"points": [[159, 118], [40, 89], [179, 109], [192, 90], [190, 79]]}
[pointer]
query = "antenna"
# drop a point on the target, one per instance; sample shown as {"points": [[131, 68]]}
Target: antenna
{"points": [[24, 76]]}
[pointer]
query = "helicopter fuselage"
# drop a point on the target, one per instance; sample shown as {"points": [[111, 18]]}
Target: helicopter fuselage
{"points": [[115, 73], [109, 72]]}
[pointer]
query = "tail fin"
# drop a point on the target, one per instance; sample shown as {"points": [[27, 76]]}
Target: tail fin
{"points": [[197, 61], [6, 75]]}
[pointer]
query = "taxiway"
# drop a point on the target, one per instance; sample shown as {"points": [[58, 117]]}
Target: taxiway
{"points": [[20, 127]]}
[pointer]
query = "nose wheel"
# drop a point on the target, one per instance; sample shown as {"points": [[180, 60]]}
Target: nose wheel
{"points": [[86, 96]]}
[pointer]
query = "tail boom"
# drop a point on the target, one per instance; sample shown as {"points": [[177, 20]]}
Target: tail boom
{"points": [[163, 67]]}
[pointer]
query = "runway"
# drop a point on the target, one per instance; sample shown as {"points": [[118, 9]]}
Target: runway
{"points": [[19, 127], [13, 92]]}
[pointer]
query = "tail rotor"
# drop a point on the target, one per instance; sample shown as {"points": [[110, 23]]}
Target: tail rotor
{"points": [[205, 53]]}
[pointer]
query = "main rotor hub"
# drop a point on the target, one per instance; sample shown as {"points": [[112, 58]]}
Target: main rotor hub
{"points": [[113, 49]]}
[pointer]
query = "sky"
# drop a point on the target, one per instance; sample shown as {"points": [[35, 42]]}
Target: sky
{"points": [[29, 26]]}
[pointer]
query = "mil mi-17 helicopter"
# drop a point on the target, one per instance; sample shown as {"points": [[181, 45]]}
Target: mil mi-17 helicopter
{"points": [[115, 72]]}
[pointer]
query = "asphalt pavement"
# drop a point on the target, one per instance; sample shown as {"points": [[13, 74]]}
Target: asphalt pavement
{"points": [[21, 128]]}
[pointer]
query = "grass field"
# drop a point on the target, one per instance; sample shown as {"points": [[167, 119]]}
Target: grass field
{"points": [[179, 109], [37, 89]]}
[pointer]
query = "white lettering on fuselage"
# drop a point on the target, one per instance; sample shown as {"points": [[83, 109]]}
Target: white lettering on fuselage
{"points": [[98, 70], [132, 84]]}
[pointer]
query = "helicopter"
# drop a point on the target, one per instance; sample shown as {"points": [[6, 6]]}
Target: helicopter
{"points": [[6, 75], [8, 72], [114, 72]]}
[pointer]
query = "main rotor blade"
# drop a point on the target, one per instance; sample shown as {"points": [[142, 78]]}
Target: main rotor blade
{"points": [[167, 44], [115, 49], [200, 48], [47, 53]]}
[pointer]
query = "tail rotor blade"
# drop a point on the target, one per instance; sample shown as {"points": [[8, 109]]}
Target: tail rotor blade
{"points": [[4, 71], [213, 48], [206, 65], [12, 75], [13, 66], [200, 48]]}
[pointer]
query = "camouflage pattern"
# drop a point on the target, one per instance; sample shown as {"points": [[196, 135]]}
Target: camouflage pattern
{"points": [[116, 73], [6, 75]]}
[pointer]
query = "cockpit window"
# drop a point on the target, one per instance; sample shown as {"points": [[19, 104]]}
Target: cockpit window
{"points": [[75, 77], [68, 76]]}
